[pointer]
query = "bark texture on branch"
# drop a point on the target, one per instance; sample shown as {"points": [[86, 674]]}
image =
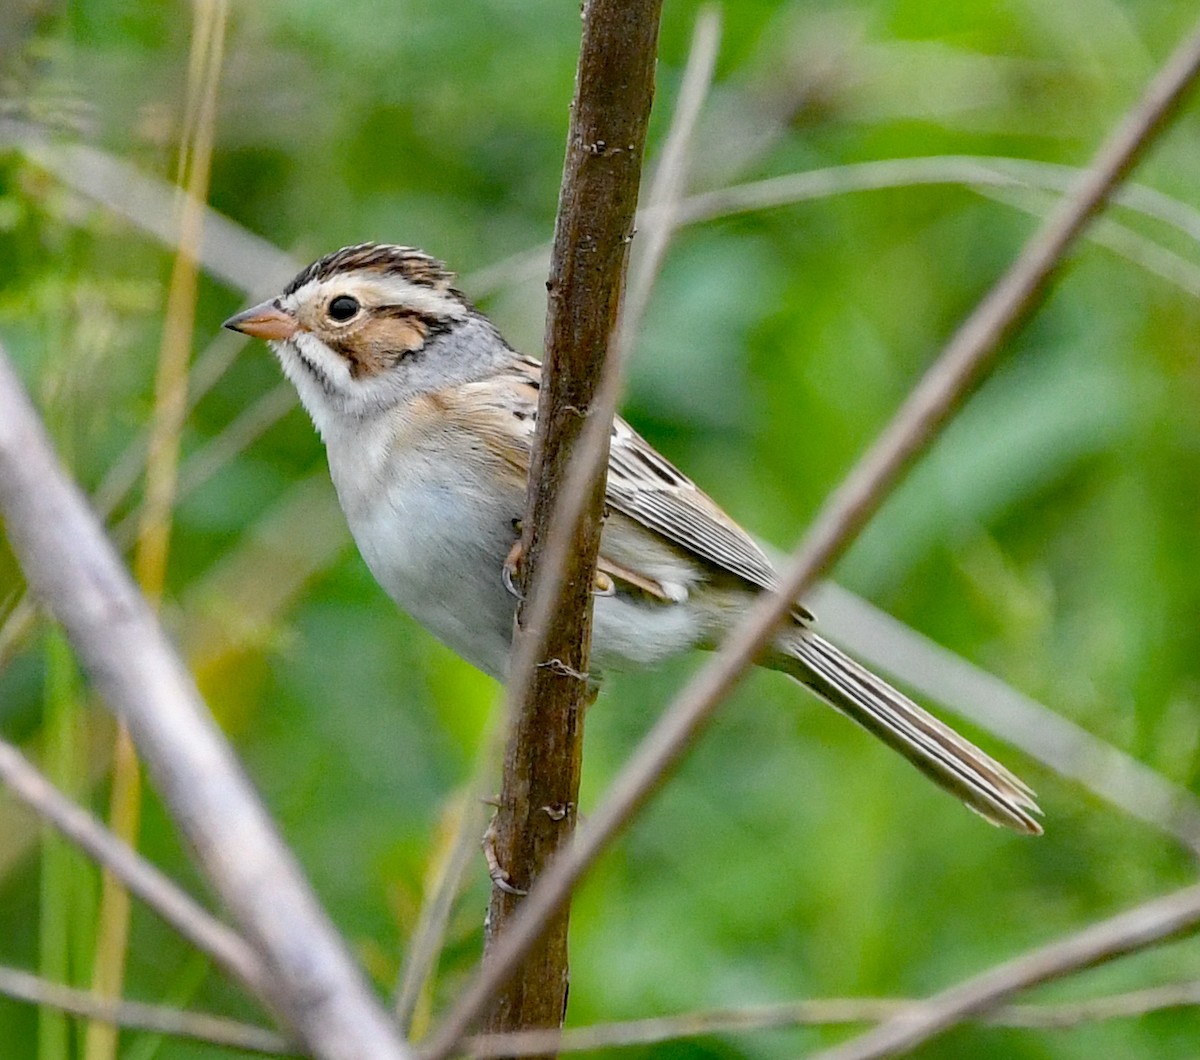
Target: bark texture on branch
{"points": [[613, 93]]}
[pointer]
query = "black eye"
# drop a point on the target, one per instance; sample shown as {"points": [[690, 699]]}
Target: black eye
{"points": [[343, 307]]}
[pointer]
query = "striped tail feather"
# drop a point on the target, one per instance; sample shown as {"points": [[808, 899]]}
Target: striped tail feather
{"points": [[949, 760]]}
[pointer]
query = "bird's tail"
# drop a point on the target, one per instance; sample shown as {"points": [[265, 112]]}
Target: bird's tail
{"points": [[934, 748]]}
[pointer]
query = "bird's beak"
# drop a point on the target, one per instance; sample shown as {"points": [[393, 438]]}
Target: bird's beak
{"points": [[264, 321]]}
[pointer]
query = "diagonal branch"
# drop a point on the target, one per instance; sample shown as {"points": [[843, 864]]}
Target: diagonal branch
{"points": [[313, 983], [142, 878], [824, 1012], [1136, 929], [137, 1015], [943, 388]]}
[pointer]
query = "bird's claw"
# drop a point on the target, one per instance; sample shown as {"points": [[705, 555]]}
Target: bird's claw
{"points": [[508, 572], [602, 584], [496, 871]]}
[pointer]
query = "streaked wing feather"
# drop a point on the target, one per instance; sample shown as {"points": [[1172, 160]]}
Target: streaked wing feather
{"points": [[642, 485]]}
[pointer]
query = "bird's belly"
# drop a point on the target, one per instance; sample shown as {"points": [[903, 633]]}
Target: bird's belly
{"points": [[438, 549], [438, 552], [629, 632]]}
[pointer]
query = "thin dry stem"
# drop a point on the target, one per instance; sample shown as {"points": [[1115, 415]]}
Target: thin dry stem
{"points": [[1120, 239], [660, 216], [171, 385], [112, 916], [425, 947], [217, 1030], [974, 171], [143, 879], [162, 465], [18, 626], [942, 389], [137, 1015], [1138, 928], [823, 1013]]}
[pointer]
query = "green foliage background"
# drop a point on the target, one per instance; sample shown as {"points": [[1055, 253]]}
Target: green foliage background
{"points": [[1051, 537]]}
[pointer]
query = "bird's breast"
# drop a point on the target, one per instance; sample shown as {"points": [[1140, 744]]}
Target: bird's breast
{"points": [[435, 529]]}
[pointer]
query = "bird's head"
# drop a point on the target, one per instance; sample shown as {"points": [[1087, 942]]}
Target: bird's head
{"points": [[370, 326]]}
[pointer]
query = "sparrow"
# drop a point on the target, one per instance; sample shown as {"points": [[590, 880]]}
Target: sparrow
{"points": [[427, 416]]}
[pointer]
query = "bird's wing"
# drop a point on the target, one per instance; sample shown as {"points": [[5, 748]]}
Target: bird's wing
{"points": [[645, 486], [642, 484]]}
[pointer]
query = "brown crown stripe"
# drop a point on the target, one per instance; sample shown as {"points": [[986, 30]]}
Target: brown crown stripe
{"points": [[386, 258]]}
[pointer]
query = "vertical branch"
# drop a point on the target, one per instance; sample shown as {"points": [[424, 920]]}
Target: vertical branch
{"points": [[171, 384], [613, 92]]}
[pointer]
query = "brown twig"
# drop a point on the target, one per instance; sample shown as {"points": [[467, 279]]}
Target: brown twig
{"points": [[549, 686], [592, 447], [943, 388], [313, 984], [159, 892], [137, 1015], [1144, 925]]}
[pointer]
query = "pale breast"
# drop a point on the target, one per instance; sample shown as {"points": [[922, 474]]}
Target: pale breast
{"points": [[434, 528], [433, 513]]}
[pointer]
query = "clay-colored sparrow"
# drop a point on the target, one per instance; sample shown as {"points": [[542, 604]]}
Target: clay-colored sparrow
{"points": [[427, 415]]}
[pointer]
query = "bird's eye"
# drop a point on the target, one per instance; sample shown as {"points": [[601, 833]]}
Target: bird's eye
{"points": [[343, 307]]}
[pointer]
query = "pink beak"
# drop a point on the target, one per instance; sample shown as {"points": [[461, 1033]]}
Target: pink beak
{"points": [[264, 321]]}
